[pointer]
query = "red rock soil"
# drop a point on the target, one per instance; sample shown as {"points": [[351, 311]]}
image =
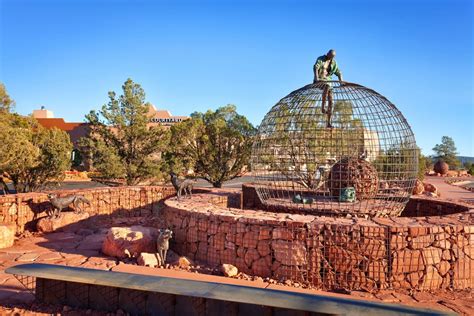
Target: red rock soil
{"points": [[82, 249], [451, 192]]}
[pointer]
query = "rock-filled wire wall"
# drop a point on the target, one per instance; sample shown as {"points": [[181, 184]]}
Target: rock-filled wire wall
{"points": [[422, 253]]}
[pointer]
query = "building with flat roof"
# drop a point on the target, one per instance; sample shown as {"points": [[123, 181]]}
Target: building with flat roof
{"points": [[76, 130], [43, 113]]}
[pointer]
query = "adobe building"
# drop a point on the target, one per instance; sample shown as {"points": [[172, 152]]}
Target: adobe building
{"points": [[76, 130]]}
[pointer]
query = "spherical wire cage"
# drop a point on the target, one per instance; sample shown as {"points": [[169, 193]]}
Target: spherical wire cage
{"points": [[334, 148]]}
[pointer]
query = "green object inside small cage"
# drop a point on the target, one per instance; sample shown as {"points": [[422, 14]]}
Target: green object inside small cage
{"points": [[347, 195], [302, 200]]}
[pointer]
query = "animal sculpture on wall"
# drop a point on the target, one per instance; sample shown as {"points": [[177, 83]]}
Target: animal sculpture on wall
{"points": [[181, 185], [60, 203], [163, 244]]}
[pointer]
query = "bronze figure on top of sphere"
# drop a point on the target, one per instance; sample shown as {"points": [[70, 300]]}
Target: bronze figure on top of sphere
{"points": [[324, 68]]}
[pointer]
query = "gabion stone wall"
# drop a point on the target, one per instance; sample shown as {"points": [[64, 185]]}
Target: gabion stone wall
{"points": [[424, 253], [22, 211], [335, 148]]}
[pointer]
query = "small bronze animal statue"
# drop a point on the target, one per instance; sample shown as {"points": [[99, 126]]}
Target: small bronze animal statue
{"points": [[163, 244], [60, 203], [180, 186]]}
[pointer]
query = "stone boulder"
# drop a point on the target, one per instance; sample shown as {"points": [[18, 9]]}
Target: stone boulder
{"points": [[441, 167], [229, 270], [171, 257], [7, 235], [419, 188], [69, 221], [123, 242], [431, 188], [184, 262], [92, 242]]}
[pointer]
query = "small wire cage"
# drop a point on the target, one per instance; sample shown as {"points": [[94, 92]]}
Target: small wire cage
{"points": [[335, 148]]}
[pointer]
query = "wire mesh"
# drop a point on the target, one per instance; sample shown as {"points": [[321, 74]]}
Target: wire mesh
{"points": [[336, 256], [51, 291], [133, 300], [103, 298], [335, 148], [27, 281], [77, 294]]}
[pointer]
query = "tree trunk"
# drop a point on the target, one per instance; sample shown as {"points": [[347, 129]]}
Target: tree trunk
{"points": [[217, 184], [132, 181], [4, 186], [16, 186]]}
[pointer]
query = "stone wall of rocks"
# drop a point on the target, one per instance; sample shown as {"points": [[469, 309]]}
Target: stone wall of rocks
{"points": [[426, 206], [23, 210], [424, 253], [430, 257], [226, 198]]}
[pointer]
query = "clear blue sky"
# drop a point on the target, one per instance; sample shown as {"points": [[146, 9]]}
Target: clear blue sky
{"points": [[192, 56]]}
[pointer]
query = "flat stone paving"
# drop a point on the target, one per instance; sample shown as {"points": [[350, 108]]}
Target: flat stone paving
{"points": [[55, 248]]}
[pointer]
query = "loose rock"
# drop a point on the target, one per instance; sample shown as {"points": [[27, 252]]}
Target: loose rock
{"points": [[229, 270], [148, 260], [431, 188], [419, 188], [184, 262]]}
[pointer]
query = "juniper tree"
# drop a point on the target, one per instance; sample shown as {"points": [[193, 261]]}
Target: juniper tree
{"points": [[31, 156], [6, 103], [216, 144], [120, 143]]}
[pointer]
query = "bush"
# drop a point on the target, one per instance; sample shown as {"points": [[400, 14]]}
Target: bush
{"points": [[30, 155], [469, 167]]}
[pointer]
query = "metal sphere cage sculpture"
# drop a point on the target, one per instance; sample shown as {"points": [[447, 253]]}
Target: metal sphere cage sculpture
{"points": [[335, 148]]}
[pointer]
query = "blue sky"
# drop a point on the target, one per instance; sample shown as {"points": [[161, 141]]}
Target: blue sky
{"points": [[195, 55]]}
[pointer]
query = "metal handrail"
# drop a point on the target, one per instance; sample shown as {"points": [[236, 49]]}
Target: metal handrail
{"points": [[211, 290]]}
